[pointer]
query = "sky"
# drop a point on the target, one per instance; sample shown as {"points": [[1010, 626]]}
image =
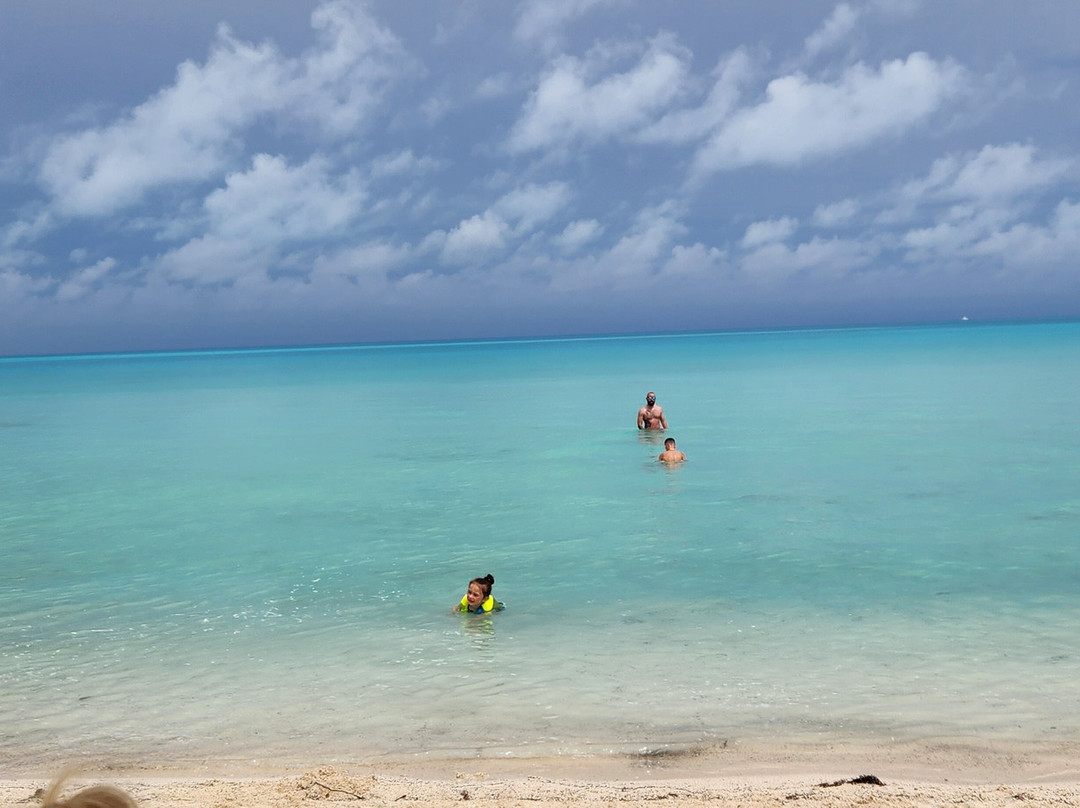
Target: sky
{"points": [[243, 173]]}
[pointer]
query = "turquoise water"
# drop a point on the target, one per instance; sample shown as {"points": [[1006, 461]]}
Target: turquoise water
{"points": [[252, 555]]}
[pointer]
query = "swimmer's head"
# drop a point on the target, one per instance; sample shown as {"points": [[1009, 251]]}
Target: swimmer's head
{"points": [[650, 398], [479, 589], [669, 443]]}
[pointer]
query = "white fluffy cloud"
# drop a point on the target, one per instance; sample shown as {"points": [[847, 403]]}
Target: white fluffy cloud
{"points": [[570, 106], [33, 226], [766, 232], [532, 205], [338, 83], [992, 173], [800, 119], [836, 213], [827, 257], [634, 261], [273, 202], [980, 203], [994, 240], [189, 132], [363, 260], [692, 124], [82, 282], [697, 259], [512, 216], [17, 285], [839, 24], [1031, 247], [261, 211], [211, 259], [577, 234], [474, 239]]}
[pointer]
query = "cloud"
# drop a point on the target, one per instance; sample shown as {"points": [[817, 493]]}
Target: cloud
{"points": [[839, 24], [28, 229], [495, 86], [16, 286], [474, 239], [691, 125], [370, 259], [567, 109], [82, 282], [639, 250], [261, 211], [990, 240], [190, 131], [961, 227], [695, 260], [274, 202], [338, 85], [513, 215], [533, 204], [211, 260], [181, 135], [835, 214], [830, 257], [801, 119], [766, 232], [1027, 246], [995, 172], [633, 261], [994, 178], [577, 234], [979, 209], [981, 234]]}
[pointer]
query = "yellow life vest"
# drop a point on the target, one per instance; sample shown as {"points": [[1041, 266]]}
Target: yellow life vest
{"points": [[489, 605]]}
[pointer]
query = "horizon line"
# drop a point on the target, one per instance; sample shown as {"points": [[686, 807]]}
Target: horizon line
{"points": [[466, 341]]}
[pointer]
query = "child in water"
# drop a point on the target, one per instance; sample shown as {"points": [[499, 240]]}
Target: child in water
{"points": [[478, 599]]}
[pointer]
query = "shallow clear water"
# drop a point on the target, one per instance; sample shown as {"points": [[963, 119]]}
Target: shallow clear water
{"points": [[253, 554]]}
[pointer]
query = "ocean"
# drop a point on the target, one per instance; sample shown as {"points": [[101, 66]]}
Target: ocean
{"points": [[252, 555]]}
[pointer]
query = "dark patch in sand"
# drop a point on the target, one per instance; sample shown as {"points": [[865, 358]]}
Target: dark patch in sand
{"points": [[667, 756], [865, 779]]}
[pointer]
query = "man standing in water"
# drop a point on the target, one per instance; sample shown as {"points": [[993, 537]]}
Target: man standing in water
{"points": [[651, 416], [670, 453]]}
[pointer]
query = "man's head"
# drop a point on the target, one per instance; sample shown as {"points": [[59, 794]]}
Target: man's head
{"points": [[650, 398], [669, 444]]}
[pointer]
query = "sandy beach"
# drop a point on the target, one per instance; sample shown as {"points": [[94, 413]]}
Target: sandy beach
{"points": [[913, 774]]}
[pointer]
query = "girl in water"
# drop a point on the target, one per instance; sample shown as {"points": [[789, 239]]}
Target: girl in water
{"points": [[478, 599]]}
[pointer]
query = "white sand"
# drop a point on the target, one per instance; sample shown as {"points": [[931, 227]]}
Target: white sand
{"points": [[918, 774]]}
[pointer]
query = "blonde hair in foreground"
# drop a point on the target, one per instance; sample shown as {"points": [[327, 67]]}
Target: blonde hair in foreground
{"points": [[92, 797]]}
